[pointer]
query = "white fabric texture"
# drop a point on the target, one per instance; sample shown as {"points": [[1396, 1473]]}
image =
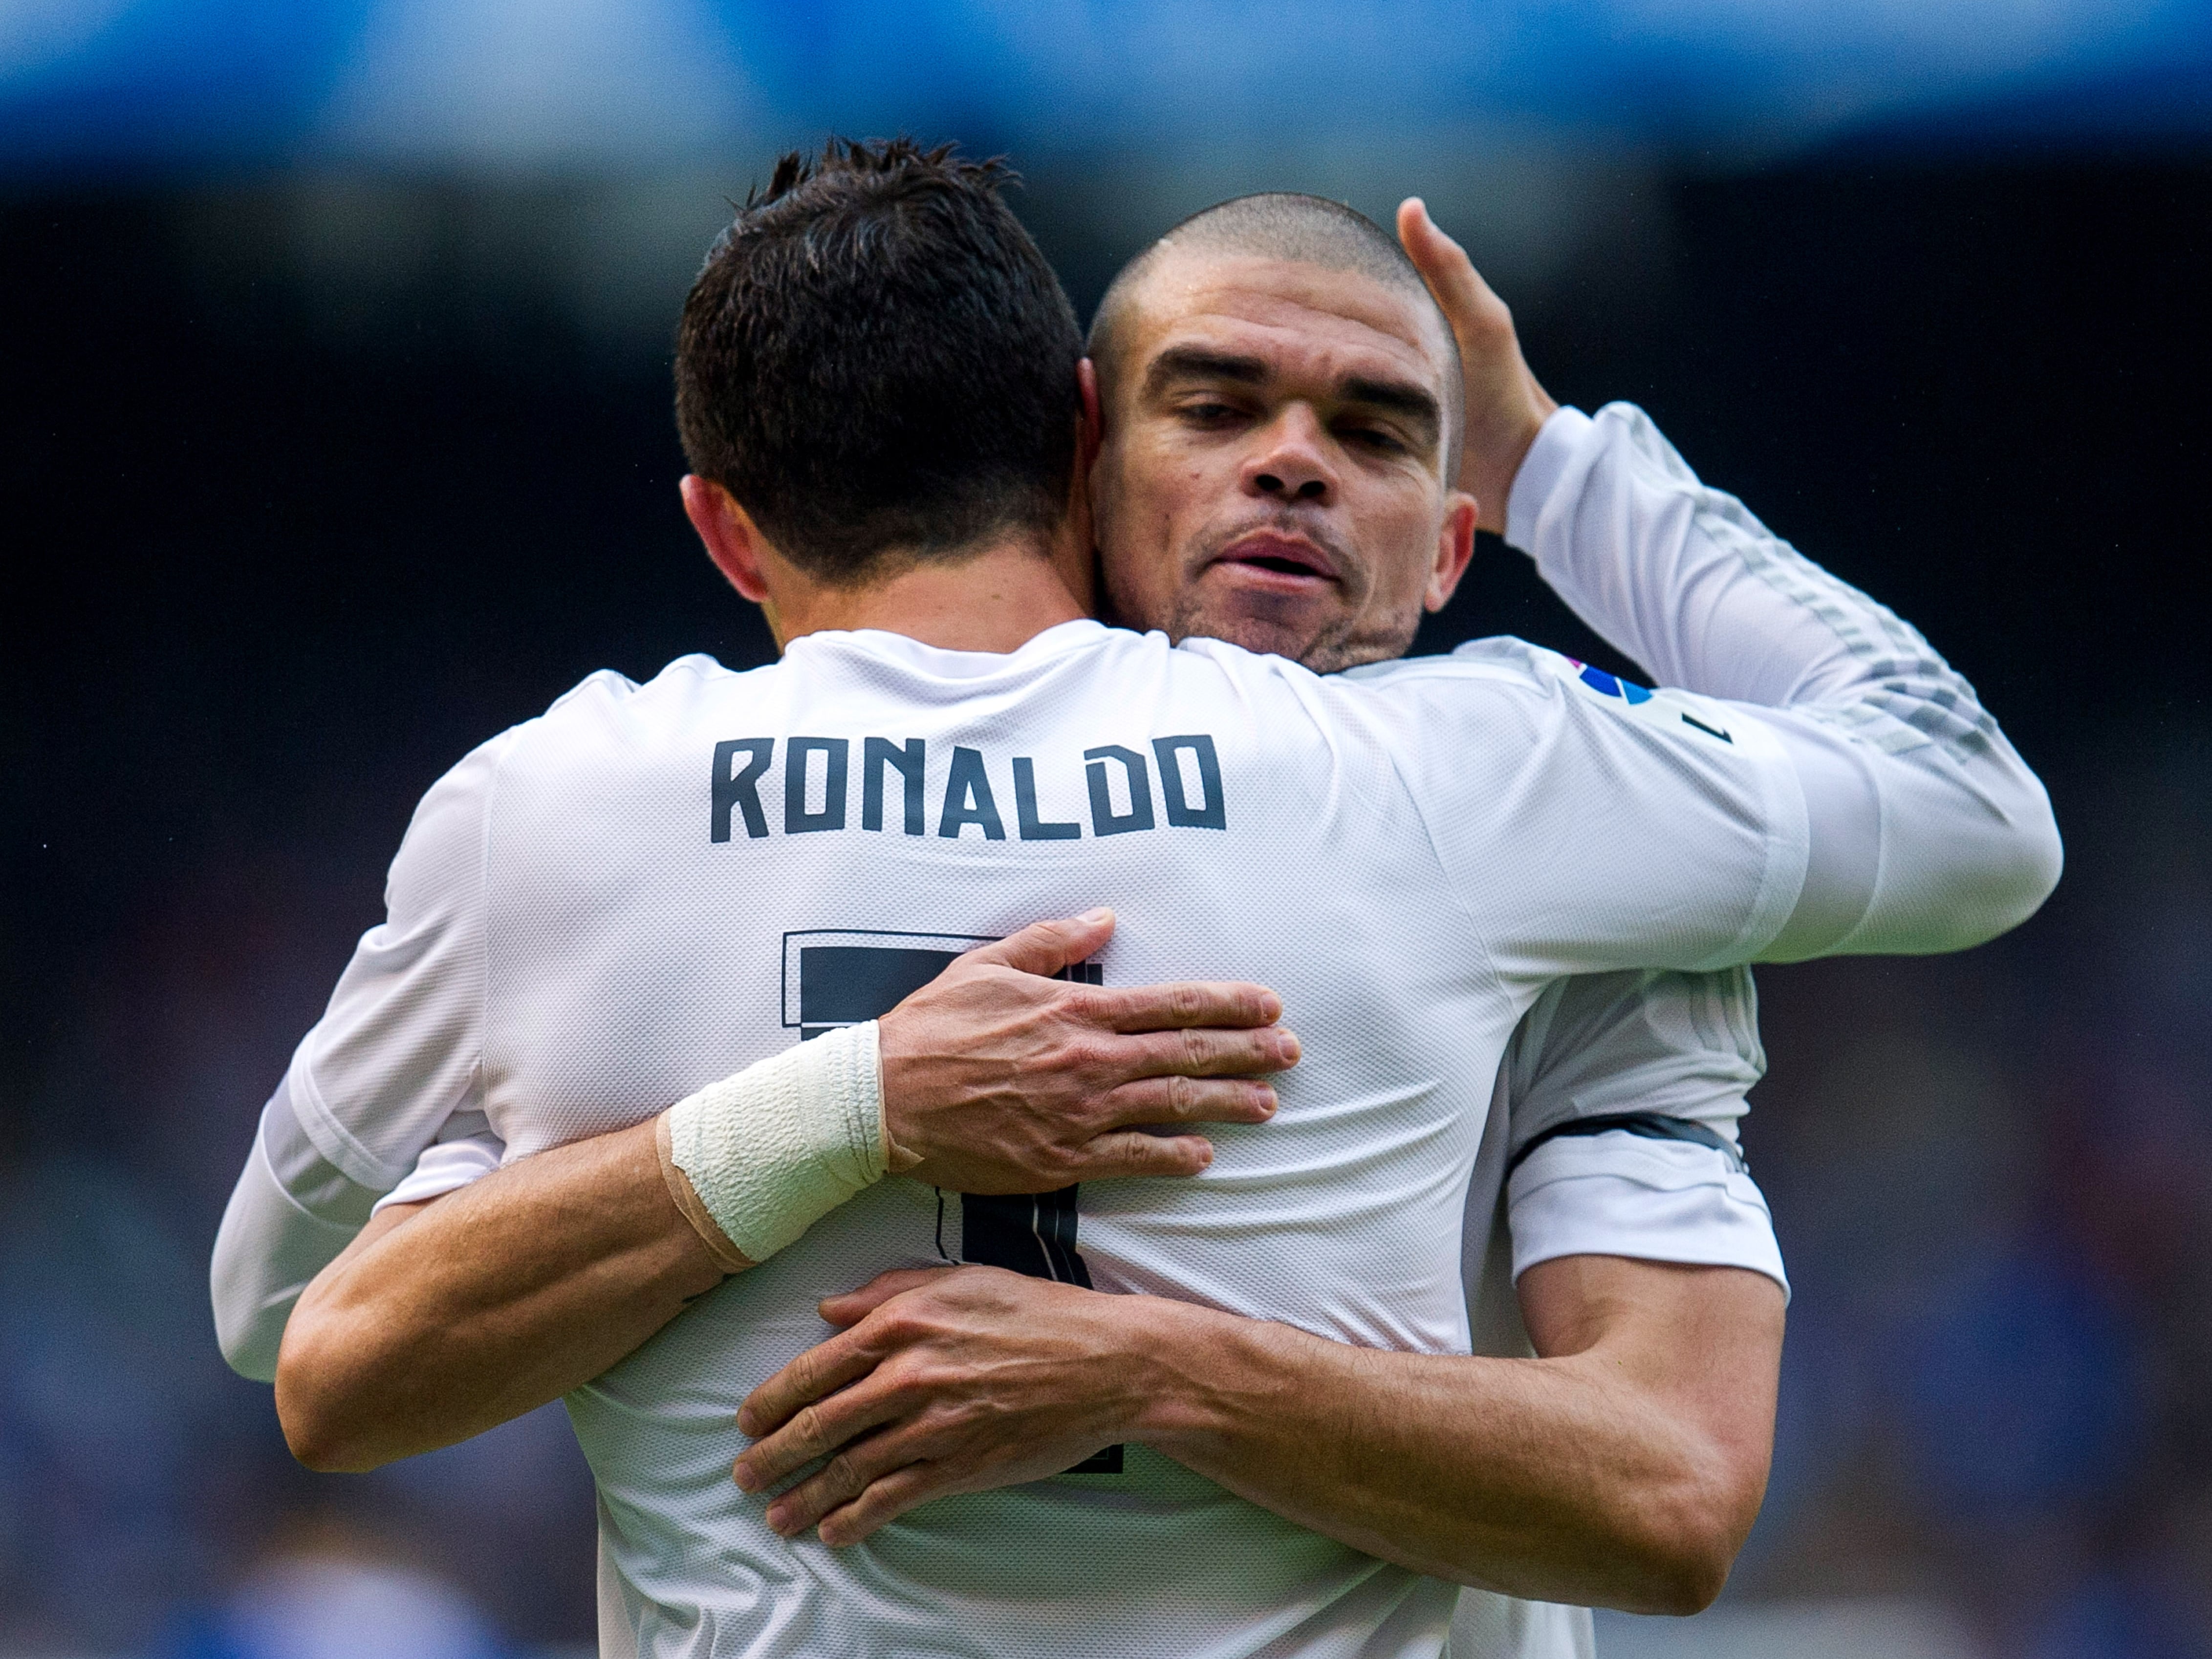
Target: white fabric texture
{"points": [[1679, 1202], [447, 1166], [776, 1147], [1958, 844], [609, 908]]}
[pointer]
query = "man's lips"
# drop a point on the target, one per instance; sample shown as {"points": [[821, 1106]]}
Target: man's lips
{"points": [[1287, 558]]}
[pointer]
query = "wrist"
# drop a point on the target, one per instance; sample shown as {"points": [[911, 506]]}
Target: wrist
{"points": [[1199, 1372], [1497, 454], [768, 1151]]}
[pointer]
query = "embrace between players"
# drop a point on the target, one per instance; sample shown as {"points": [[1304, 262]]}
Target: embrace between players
{"points": [[1098, 1383]]}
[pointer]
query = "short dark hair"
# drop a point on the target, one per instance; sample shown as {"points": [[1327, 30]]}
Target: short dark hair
{"points": [[1286, 224], [878, 360]]}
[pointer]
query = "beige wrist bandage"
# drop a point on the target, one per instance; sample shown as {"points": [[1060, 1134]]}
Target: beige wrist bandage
{"points": [[757, 1158]]}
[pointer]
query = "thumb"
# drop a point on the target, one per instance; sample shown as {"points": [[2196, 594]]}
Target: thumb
{"points": [[1046, 947]]}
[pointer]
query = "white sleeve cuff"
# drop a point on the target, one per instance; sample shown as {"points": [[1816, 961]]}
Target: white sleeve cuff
{"points": [[1653, 1200], [1542, 468], [446, 1168]]}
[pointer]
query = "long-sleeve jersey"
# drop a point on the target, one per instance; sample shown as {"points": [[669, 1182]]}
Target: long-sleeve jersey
{"points": [[650, 886]]}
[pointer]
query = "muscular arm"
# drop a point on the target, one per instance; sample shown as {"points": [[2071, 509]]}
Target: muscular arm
{"points": [[444, 1319], [1621, 1467], [447, 1318]]}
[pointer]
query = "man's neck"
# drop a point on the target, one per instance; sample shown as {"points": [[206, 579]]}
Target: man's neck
{"points": [[995, 599]]}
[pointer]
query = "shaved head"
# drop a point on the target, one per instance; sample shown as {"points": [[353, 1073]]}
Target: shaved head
{"points": [[1301, 230]]}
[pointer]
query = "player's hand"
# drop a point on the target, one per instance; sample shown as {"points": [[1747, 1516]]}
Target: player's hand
{"points": [[1505, 407], [1005, 1081], [955, 1379]]}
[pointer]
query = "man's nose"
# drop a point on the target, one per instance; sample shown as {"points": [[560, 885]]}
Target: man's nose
{"points": [[1291, 464]]}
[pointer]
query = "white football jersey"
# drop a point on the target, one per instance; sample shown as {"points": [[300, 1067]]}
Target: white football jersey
{"points": [[651, 887]]}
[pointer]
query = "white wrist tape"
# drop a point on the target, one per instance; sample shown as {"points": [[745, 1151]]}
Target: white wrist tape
{"points": [[776, 1147]]}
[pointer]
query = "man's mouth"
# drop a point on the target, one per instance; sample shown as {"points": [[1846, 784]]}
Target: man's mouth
{"points": [[1290, 557]]}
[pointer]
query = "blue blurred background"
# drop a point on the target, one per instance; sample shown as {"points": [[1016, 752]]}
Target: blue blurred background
{"points": [[334, 436]]}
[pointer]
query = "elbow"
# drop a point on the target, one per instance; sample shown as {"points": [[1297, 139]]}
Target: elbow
{"points": [[2042, 860], [1681, 1543], [1685, 1576], [323, 1430], [2018, 877]]}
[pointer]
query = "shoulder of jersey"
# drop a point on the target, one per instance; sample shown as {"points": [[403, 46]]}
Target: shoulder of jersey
{"points": [[605, 698], [1533, 668], [1499, 658]]}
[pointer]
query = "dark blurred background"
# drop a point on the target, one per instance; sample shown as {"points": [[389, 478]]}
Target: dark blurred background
{"points": [[335, 436]]}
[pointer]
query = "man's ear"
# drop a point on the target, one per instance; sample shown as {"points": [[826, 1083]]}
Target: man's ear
{"points": [[1090, 430], [733, 541], [1454, 548]]}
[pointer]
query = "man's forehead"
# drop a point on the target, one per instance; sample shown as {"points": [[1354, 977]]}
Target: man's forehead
{"points": [[1298, 317]]}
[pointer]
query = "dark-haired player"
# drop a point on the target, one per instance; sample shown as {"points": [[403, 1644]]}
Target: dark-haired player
{"points": [[588, 924]]}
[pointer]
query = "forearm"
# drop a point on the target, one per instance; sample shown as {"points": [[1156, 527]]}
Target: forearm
{"points": [[449, 1320], [1579, 1478]]}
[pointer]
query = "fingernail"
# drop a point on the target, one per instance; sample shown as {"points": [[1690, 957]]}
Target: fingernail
{"points": [[1098, 917], [1291, 1049], [744, 1477], [779, 1521]]}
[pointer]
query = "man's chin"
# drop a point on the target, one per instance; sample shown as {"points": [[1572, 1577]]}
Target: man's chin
{"points": [[1324, 640], [1271, 636]]}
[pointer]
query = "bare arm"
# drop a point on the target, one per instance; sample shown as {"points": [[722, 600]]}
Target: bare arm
{"points": [[447, 1318], [1623, 1467]]}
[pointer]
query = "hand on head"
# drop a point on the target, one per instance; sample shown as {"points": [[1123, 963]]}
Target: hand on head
{"points": [[1505, 406]]}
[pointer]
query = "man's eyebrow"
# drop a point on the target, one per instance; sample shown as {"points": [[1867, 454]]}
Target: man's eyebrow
{"points": [[1189, 362]]}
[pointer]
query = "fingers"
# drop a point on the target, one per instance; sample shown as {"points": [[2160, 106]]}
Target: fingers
{"points": [[1156, 1100], [851, 1307], [1128, 1153], [822, 1369], [816, 1431], [1046, 947], [1466, 298], [844, 1477], [1440, 260], [884, 1501], [1184, 1004], [1206, 1053]]}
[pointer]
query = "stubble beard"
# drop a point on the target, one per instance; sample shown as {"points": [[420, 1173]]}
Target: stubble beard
{"points": [[1340, 640]]}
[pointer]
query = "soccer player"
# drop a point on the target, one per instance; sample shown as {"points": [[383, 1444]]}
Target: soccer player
{"points": [[1651, 1055], [571, 952]]}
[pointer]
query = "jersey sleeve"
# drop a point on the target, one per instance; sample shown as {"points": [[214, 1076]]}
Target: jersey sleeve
{"points": [[1671, 1045], [1927, 830], [1581, 830], [395, 1056]]}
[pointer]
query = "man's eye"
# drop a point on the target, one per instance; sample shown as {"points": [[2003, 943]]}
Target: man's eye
{"points": [[1208, 414], [1375, 438]]}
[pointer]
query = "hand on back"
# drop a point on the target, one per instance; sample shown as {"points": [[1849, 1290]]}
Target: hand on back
{"points": [[1002, 1079]]}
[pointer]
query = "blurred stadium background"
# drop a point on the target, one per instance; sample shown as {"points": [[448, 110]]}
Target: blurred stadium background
{"points": [[334, 436]]}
